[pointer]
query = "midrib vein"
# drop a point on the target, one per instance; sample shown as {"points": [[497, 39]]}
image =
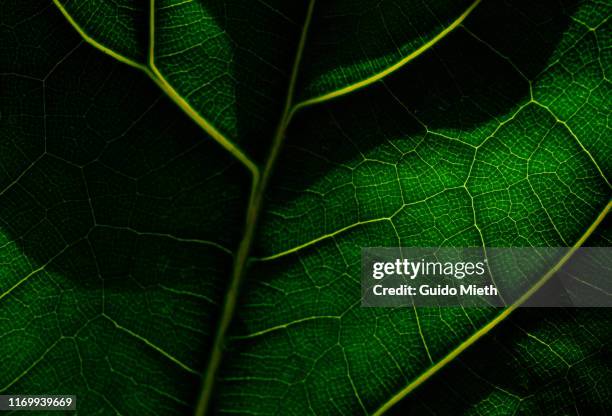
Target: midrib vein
{"points": [[496, 321], [253, 213]]}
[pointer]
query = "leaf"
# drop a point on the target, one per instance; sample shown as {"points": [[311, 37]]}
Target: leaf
{"points": [[128, 275]]}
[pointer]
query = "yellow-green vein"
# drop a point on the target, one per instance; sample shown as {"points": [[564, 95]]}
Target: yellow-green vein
{"points": [[320, 238], [188, 109], [389, 70], [97, 44], [150, 344], [493, 323], [244, 248], [152, 72]]}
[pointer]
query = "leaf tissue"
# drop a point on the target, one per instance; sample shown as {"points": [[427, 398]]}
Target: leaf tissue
{"points": [[186, 187]]}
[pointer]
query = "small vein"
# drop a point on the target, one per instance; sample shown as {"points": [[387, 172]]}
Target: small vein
{"points": [[284, 326], [31, 366], [318, 239], [152, 345], [571, 132], [168, 236]]}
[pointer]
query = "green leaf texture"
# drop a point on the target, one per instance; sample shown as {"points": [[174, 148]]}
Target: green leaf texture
{"points": [[185, 188]]}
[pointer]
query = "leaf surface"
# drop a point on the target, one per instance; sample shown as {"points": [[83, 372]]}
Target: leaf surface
{"points": [[122, 224]]}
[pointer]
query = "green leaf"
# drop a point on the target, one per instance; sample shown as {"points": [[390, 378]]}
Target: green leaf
{"points": [[149, 270]]}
